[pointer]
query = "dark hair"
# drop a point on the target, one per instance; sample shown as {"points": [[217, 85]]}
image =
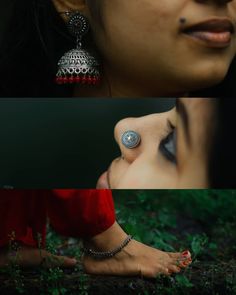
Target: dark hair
{"points": [[95, 8], [223, 152], [34, 37]]}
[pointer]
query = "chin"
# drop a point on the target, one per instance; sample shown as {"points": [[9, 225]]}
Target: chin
{"points": [[207, 76]]}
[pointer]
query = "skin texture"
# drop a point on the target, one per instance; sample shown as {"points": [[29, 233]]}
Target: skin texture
{"points": [[144, 50], [146, 167]]}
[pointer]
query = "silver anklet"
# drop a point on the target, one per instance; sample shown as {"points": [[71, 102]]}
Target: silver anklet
{"points": [[107, 254]]}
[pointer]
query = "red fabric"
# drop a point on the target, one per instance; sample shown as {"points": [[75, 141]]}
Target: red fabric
{"points": [[77, 213]]}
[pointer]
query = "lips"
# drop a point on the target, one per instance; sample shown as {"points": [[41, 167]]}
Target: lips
{"points": [[215, 32]]}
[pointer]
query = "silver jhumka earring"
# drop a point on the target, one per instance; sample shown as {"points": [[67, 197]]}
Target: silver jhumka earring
{"points": [[78, 65]]}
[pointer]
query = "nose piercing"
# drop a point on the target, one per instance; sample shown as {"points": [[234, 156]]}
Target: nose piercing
{"points": [[130, 139]]}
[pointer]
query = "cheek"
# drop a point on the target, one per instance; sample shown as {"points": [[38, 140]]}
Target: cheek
{"points": [[192, 167], [132, 19], [145, 173], [140, 31], [194, 175], [139, 175]]}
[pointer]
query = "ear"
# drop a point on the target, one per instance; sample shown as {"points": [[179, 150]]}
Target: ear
{"points": [[70, 5]]}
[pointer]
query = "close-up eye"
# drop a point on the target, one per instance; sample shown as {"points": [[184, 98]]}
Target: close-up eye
{"points": [[168, 147]]}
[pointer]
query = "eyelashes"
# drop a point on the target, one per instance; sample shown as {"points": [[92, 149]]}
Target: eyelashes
{"points": [[168, 146]]}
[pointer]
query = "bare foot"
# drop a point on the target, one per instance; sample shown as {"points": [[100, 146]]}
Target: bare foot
{"points": [[30, 257], [135, 259]]}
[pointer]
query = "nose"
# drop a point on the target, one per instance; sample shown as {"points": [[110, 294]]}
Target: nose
{"points": [[120, 131], [149, 128]]}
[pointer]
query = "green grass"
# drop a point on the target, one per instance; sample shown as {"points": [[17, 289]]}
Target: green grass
{"points": [[202, 221]]}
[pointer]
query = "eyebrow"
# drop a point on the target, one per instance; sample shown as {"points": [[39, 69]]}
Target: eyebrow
{"points": [[182, 111]]}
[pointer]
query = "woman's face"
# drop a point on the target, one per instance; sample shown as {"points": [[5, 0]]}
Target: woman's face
{"points": [[173, 152], [166, 46]]}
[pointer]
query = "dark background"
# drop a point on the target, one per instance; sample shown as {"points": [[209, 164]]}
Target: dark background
{"points": [[63, 143]]}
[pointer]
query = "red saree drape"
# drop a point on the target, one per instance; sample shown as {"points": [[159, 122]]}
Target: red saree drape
{"points": [[76, 213]]}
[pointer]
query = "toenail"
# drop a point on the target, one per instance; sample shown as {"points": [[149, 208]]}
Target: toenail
{"points": [[185, 263], [185, 253]]}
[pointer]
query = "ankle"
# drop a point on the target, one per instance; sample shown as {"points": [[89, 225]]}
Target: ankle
{"points": [[108, 240]]}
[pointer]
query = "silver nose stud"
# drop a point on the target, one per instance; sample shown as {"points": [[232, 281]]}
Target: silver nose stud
{"points": [[130, 139]]}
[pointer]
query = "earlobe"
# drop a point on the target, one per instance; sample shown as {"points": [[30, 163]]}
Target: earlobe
{"points": [[70, 5]]}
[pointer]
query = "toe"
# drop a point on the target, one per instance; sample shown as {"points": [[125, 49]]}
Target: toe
{"points": [[68, 262], [174, 255], [182, 259], [165, 271], [174, 269], [185, 263]]}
